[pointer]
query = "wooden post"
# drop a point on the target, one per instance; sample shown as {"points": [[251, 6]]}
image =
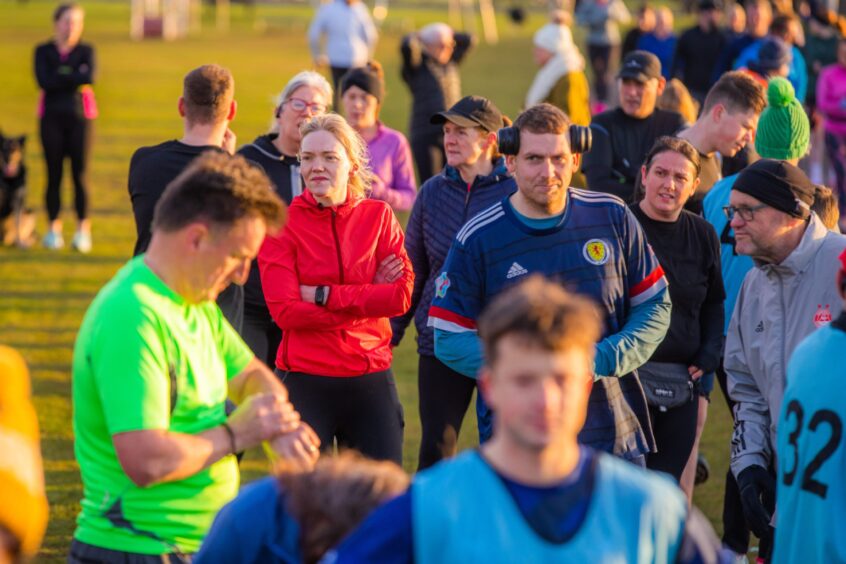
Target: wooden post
{"points": [[488, 14], [221, 11]]}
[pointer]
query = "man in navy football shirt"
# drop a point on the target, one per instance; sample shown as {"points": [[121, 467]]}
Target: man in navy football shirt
{"points": [[590, 243]]}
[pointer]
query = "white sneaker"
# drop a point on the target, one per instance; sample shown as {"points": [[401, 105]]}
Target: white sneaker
{"points": [[53, 241], [82, 242]]}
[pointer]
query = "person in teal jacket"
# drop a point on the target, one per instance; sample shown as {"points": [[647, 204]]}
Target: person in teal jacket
{"points": [[811, 448]]}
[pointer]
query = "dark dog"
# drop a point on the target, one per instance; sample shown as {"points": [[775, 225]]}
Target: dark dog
{"points": [[16, 222]]}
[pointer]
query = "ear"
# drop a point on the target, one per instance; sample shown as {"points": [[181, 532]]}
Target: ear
{"points": [[662, 83], [195, 235], [181, 106], [490, 140], [233, 109], [577, 160], [511, 164], [696, 183], [717, 112], [484, 383], [643, 175]]}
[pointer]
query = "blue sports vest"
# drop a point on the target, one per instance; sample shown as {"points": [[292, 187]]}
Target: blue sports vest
{"points": [[811, 446], [462, 512]]}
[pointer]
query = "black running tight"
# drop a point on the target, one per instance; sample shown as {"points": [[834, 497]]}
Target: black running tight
{"points": [[66, 137]]}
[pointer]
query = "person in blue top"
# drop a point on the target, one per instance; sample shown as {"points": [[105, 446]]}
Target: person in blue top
{"points": [[783, 133], [532, 493], [587, 241], [297, 516], [474, 179], [811, 448]]}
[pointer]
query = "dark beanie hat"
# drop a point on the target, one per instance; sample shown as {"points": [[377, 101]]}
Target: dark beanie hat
{"points": [[366, 79], [778, 184]]}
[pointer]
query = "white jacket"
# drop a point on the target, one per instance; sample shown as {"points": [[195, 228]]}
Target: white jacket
{"points": [[778, 306]]}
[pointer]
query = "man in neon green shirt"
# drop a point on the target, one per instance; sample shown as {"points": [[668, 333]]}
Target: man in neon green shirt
{"points": [[153, 364]]}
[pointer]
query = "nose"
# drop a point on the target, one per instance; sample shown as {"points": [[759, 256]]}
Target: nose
{"points": [[736, 221]]}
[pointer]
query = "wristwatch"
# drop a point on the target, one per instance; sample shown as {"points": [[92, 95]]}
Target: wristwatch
{"points": [[320, 296]]}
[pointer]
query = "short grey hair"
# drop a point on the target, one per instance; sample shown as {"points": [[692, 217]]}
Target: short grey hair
{"points": [[304, 78], [434, 31]]}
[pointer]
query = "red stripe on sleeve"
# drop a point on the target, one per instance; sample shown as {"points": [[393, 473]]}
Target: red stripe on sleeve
{"points": [[446, 315], [647, 282]]}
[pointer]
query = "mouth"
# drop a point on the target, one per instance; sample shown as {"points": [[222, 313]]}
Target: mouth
{"points": [[318, 179]]}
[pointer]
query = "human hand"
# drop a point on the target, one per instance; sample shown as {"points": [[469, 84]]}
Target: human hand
{"points": [[261, 417], [757, 496], [389, 270], [229, 141], [298, 449], [695, 372]]}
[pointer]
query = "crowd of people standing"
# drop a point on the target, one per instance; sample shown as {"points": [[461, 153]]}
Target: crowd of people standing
{"points": [[591, 322]]}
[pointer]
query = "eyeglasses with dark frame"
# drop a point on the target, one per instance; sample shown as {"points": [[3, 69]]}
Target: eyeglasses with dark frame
{"points": [[301, 105], [746, 213]]}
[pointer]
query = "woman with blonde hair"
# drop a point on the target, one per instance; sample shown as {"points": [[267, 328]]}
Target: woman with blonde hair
{"points": [[676, 98], [332, 279]]}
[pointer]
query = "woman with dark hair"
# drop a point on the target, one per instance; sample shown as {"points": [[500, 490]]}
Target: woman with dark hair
{"points": [[64, 69], [688, 250], [474, 179], [306, 95], [362, 94], [298, 516], [332, 279]]}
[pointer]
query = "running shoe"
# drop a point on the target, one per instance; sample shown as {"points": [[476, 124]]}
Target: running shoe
{"points": [[82, 242], [703, 470], [53, 241]]}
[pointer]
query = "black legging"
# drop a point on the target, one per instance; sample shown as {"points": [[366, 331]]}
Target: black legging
{"points": [[362, 412], [66, 136], [675, 432], [600, 57], [444, 396]]}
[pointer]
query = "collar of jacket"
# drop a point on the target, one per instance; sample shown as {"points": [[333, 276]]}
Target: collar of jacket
{"points": [[307, 201], [264, 145], [802, 256], [499, 171]]}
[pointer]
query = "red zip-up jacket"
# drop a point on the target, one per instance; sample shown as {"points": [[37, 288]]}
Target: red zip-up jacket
{"points": [[341, 248]]}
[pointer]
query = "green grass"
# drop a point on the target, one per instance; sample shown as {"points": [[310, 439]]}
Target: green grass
{"points": [[44, 295]]}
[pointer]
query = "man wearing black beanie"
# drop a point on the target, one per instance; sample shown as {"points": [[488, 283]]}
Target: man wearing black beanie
{"points": [[790, 293]]}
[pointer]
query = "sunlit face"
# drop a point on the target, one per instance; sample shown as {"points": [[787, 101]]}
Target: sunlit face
{"points": [[638, 98], [325, 166], [222, 257], [543, 169], [290, 119], [733, 130], [68, 28], [360, 108], [668, 183], [441, 48], [540, 397], [646, 20], [760, 238], [737, 19], [464, 145]]}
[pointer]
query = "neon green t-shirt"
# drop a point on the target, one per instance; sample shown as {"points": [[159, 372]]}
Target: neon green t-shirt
{"points": [[144, 359]]}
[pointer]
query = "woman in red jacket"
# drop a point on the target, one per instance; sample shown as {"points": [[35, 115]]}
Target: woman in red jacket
{"points": [[332, 279]]}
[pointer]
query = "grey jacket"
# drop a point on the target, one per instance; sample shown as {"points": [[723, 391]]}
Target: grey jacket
{"points": [[602, 20], [778, 306]]}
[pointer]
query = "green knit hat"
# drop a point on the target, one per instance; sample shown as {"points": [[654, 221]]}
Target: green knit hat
{"points": [[783, 130]]}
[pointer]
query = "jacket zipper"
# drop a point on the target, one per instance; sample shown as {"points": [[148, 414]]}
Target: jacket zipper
{"points": [[466, 204], [337, 249]]}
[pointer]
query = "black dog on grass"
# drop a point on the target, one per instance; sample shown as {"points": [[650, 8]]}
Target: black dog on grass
{"points": [[16, 222]]}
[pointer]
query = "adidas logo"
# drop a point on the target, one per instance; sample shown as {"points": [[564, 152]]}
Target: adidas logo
{"points": [[516, 270], [760, 327]]}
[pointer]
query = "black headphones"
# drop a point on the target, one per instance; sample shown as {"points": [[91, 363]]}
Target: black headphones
{"points": [[508, 139]]}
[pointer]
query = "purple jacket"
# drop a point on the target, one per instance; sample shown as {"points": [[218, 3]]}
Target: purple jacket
{"points": [[390, 160]]}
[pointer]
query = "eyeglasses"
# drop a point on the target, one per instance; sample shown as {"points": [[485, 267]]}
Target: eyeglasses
{"points": [[747, 213], [301, 105]]}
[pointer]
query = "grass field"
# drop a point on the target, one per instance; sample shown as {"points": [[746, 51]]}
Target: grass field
{"points": [[43, 295]]}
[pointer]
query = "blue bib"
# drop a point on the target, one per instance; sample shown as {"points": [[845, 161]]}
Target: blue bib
{"points": [[463, 512]]}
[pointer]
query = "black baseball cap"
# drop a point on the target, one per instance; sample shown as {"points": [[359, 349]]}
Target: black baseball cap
{"points": [[471, 111], [708, 5], [640, 66]]}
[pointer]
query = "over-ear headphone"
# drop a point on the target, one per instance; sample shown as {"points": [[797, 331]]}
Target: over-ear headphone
{"points": [[508, 139]]}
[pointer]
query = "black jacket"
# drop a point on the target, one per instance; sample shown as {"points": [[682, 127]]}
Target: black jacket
{"points": [[60, 79]]}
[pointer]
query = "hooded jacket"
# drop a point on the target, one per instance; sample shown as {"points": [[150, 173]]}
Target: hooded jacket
{"points": [[444, 204], [341, 248], [778, 306]]}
